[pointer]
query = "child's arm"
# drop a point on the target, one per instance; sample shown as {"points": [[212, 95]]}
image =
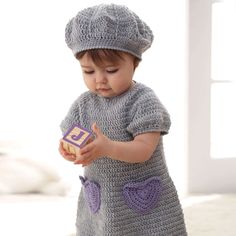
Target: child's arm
{"points": [[138, 150]]}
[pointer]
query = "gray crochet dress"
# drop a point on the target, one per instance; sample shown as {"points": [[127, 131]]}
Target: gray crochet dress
{"points": [[118, 198]]}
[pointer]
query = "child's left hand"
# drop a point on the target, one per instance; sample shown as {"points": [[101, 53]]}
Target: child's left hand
{"points": [[98, 148]]}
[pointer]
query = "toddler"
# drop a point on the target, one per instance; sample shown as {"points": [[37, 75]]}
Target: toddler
{"points": [[126, 187]]}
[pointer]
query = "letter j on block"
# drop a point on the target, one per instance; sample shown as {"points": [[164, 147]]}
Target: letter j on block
{"points": [[77, 136]]}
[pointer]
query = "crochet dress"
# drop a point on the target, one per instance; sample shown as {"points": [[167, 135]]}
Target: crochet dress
{"points": [[119, 198]]}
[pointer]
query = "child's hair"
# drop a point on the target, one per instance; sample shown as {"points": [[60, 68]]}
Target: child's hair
{"points": [[99, 56], [108, 26]]}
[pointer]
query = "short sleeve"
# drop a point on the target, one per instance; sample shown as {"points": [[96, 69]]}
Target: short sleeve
{"points": [[72, 117], [149, 115]]}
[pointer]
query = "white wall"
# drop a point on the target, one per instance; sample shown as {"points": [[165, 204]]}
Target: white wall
{"points": [[40, 78], [205, 174]]}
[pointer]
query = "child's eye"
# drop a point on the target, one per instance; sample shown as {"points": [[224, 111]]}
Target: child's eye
{"points": [[112, 71], [88, 72]]}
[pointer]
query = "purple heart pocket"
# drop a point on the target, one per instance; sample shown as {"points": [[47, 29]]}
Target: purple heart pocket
{"points": [[92, 194], [142, 196]]}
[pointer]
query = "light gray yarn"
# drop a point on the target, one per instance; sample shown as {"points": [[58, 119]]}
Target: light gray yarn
{"points": [[108, 26], [122, 118]]}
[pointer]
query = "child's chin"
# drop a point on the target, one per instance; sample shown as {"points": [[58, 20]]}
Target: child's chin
{"points": [[105, 93]]}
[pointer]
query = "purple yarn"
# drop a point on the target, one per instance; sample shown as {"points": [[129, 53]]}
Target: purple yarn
{"points": [[142, 196], [92, 194]]}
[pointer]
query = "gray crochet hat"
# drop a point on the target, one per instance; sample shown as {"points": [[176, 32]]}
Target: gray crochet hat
{"points": [[108, 26]]}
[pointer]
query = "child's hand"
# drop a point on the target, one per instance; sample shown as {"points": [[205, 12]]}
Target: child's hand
{"points": [[68, 156], [97, 148]]}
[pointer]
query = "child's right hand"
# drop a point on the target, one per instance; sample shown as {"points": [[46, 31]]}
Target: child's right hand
{"points": [[68, 156]]}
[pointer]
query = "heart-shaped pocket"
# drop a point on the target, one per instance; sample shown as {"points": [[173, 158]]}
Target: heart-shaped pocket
{"points": [[92, 194], [142, 196]]}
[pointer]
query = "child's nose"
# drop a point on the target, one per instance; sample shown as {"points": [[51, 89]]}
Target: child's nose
{"points": [[100, 78]]}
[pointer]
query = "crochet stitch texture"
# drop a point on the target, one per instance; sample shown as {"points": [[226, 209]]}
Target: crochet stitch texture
{"points": [[92, 194], [122, 118], [108, 26], [142, 196]]}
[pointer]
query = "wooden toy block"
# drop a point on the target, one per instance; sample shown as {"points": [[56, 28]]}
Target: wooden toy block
{"points": [[75, 137]]}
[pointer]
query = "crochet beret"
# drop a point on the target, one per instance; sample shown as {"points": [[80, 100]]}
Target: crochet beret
{"points": [[108, 26]]}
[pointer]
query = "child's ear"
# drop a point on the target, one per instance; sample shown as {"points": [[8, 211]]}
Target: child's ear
{"points": [[136, 62]]}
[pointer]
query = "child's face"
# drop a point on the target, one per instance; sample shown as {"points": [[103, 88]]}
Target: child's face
{"points": [[110, 79]]}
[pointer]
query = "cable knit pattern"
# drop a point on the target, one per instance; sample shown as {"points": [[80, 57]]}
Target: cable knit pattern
{"points": [[108, 26], [135, 199]]}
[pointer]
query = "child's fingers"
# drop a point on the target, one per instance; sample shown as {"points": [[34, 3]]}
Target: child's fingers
{"points": [[85, 159], [70, 157], [80, 159], [65, 154], [86, 149], [77, 162]]}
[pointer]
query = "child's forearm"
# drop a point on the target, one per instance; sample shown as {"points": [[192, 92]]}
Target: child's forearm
{"points": [[131, 152], [135, 151]]}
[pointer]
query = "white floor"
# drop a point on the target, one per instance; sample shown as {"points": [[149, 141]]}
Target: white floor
{"points": [[37, 215], [212, 215], [40, 215]]}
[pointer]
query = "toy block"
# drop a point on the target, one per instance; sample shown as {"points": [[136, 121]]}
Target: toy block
{"points": [[75, 137]]}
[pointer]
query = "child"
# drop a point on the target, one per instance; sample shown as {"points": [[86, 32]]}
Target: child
{"points": [[126, 188]]}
